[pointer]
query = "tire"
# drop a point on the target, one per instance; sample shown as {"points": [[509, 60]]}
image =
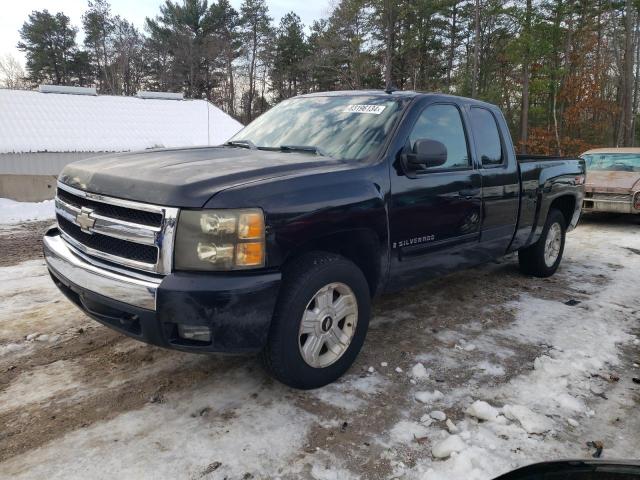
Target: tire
{"points": [[317, 286], [533, 259]]}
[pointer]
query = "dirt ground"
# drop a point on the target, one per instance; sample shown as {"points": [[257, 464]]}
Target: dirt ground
{"points": [[76, 397], [21, 242]]}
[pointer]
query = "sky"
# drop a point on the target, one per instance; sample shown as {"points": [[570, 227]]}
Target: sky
{"points": [[14, 14]]}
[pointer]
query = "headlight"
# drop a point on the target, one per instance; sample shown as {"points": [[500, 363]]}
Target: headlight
{"points": [[220, 240]]}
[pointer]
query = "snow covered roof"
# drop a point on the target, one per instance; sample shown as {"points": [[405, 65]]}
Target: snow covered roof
{"points": [[31, 121]]}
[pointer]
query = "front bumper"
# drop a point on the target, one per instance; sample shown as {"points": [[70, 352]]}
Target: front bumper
{"points": [[237, 308]]}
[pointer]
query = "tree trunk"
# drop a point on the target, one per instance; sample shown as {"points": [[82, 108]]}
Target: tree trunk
{"points": [[555, 124], [476, 52], [635, 82], [389, 34], [252, 80], [524, 117], [453, 32], [625, 131], [231, 93]]}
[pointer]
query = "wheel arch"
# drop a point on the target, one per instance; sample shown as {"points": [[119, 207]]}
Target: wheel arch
{"points": [[566, 204], [361, 246]]}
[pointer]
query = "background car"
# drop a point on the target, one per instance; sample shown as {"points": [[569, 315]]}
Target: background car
{"points": [[613, 180]]}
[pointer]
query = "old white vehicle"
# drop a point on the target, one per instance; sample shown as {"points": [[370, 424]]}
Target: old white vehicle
{"points": [[613, 180]]}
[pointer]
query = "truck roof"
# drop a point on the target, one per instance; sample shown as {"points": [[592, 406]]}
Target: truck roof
{"points": [[376, 93], [396, 94]]}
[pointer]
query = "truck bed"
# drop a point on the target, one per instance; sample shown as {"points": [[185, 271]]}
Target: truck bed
{"points": [[543, 178], [525, 158]]}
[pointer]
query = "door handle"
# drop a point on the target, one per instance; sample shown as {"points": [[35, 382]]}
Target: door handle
{"points": [[469, 193]]}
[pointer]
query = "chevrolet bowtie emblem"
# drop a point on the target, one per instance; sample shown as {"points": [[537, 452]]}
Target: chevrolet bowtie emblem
{"points": [[84, 220]]}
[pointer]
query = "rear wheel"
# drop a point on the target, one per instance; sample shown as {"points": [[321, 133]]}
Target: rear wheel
{"points": [[543, 257], [320, 321]]}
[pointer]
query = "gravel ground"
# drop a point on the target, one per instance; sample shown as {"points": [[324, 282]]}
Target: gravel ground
{"points": [[78, 400]]}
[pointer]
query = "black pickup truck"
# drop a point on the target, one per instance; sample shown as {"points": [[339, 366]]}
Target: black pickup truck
{"points": [[277, 241]]}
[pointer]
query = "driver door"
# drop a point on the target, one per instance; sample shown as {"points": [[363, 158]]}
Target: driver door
{"points": [[435, 212]]}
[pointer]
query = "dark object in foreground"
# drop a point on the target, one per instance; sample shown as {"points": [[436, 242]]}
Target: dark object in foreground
{"points": [[577, 470], [277, 241]]}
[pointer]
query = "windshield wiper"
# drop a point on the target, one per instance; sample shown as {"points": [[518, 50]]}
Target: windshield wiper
{"points": [[242, 144], [304, 148]]}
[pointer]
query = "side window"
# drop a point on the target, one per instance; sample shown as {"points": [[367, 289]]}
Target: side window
{"points": [[443, 124], [487, 138]]}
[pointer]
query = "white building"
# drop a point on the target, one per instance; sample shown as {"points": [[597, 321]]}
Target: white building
{"points": [[42, 131]]}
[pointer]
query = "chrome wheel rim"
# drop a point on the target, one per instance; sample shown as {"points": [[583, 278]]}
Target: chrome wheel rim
{"points": [[328, 325], [552, 244]]}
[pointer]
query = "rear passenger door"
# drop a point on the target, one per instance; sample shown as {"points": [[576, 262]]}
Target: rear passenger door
{"points": [[435, 212], [500, 180]]}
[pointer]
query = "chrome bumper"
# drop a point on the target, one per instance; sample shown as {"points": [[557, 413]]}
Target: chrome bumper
{"points": [[591, 205], [68, 266]]}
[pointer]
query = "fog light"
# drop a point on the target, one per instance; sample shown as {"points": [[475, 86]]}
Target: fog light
{"points": [[194, 332]]}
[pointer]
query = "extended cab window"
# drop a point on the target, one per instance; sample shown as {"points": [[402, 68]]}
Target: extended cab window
{"points": [[487, 138], [345, 127], [443, 124]]}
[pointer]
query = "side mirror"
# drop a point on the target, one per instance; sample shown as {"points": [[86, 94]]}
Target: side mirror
{"points": [[427, 153]]}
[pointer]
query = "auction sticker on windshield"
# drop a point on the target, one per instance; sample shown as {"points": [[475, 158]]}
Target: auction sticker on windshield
{"points": [[375, 109]]}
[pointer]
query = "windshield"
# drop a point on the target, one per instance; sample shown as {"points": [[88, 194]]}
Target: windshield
{"points": [[621, 162], [352, 127]]}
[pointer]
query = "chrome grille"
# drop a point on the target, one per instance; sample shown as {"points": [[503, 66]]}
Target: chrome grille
{"points": [[120, 213], [109, 245], [132, 234]]}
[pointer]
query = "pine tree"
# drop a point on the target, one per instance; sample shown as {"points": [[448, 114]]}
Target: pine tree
{"points": [[99, 26], [255, 31], [288, 74], [49, 42]]}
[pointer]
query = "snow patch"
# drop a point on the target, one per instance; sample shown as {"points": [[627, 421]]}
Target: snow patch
{"points": [[530, 421], [445, 448], [482, 411], [40, 384], [12, 212], [491, 368], [577, 342], [11, 348], [406, 431], [438, 415], [419, 372], [451, 426], [350, 393], [166, 441], [429, 397], [319, 472]]}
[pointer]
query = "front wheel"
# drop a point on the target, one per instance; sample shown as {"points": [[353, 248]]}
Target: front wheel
{"points": [[320, 321], [543, 257]]}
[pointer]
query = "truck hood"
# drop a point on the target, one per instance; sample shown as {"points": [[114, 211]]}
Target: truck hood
{"points": [[612, 182], [187, 177]]}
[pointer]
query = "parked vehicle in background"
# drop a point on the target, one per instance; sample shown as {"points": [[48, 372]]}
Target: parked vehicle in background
{"points": [[613, 180], [277, 241]]}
